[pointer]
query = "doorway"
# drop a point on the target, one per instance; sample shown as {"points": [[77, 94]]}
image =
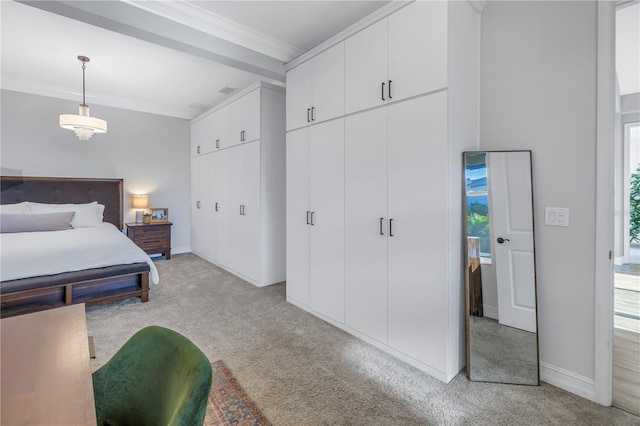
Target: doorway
{"points": [[626, 335]]}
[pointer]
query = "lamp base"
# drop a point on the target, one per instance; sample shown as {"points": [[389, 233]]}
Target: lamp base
{"points": [[139, 216]]}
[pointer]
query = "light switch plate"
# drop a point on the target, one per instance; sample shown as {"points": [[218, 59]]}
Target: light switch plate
{"points": [[556, 216]]}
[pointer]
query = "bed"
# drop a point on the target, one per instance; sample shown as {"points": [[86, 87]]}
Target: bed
{"points": [[91, 265]]}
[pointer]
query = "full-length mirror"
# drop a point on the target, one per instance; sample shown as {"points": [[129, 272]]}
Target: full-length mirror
{"points": [[502, 341]]}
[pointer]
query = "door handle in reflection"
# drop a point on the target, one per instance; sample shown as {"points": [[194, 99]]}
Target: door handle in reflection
{"points": [[501, 240]]}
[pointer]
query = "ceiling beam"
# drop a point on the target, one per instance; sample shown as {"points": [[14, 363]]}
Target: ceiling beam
{"points": [[134, 22]]}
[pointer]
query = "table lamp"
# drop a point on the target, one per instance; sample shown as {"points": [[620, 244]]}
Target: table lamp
{"points": [[140, 202]]}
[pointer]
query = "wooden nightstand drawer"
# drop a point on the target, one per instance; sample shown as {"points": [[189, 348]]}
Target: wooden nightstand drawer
{"points": [[150, 234]]}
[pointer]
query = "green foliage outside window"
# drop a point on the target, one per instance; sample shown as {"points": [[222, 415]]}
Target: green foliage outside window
{"points": [[635, 206], [478, 225]]}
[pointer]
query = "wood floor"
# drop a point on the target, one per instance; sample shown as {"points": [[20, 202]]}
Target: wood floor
{"points": [[626, 341]]}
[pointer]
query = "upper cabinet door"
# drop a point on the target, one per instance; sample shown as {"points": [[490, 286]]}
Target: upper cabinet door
{"points": [[298, 95], [418, 49], [221, 128], [202, 136], [245, 118], [366, 67], [328, 84]]}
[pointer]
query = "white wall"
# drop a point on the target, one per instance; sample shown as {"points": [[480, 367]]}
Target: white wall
{"points": [[150, 152], [538, 92]]}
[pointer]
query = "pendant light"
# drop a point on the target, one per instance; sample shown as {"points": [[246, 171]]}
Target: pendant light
{"points": [[84, 125]]}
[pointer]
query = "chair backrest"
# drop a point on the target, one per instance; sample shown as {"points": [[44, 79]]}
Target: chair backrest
{"points": [[158, 377]]}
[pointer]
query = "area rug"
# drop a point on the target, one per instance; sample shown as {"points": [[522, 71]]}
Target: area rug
{"points": [[228, 404]]}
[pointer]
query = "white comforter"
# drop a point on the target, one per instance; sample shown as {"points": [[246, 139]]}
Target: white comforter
{"points": [[31, 254]]}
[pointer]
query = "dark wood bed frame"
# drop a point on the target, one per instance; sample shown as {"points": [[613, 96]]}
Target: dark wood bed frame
{"points": [[92, 286]]}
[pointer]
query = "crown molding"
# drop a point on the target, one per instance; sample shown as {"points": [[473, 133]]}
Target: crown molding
{"points": [[477, 5], [194, 16]]}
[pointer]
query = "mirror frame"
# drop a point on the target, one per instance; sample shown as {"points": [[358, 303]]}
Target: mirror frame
{"points": [[466, 264]]}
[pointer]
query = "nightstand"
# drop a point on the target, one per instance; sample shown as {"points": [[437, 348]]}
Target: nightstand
{"points": [[152, 238]]}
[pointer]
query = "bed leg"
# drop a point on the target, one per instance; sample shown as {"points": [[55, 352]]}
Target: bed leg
{"points": [[144, 285], [68, 294]]}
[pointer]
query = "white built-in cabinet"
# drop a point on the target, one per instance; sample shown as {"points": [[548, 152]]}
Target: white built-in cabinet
{"points": [[315, 217], [238, 200], [386, 173], [315, 89]]}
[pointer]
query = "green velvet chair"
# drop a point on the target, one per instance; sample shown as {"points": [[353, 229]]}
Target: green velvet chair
{"points": [[158, 377]]}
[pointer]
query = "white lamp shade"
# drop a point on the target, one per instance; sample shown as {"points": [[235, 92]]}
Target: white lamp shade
{"points": [[140, 201], [73, 122]]}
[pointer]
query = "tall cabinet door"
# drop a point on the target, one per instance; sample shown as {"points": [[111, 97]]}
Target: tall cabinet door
{"points": [[199, 180], [297, 163], [366, 223], [418, 49], [236, 200], [251, 210], [366, 67], [326, 188], [418, 247], [222, 206], [213, 187]]}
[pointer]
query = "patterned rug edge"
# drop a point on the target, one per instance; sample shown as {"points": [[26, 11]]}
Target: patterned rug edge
{"points": [[228, 404]]}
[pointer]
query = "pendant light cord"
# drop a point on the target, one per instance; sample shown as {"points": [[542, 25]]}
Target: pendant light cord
{"points": [[83, 68]]}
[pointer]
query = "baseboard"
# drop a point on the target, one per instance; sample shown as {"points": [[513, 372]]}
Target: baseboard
{"points": [[490, 312], [181, 250], [568, 380]]}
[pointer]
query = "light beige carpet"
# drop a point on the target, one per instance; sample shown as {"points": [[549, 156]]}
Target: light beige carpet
{"points": [[300, 370]]}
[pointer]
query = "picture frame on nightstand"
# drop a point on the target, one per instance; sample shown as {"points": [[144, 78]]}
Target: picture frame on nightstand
{"points": [[159, 215]]}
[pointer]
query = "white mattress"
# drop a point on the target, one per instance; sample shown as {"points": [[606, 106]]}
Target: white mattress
{"points": [[32, 254]]}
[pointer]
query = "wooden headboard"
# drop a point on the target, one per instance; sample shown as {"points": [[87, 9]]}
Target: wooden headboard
{"points": [[58, 190]]}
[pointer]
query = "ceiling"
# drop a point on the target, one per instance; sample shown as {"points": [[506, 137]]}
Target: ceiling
{"points": [[173, 57], [165, 57]]}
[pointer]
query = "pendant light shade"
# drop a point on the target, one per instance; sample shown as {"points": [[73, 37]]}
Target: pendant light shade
{"points": [[83, 124]]}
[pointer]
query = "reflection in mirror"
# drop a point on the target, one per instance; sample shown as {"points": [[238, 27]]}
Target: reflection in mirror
{"points": [[502, 341]]}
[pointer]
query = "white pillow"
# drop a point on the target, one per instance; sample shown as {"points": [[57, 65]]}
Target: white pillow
{"points": [[87, 215], [20, 208]]}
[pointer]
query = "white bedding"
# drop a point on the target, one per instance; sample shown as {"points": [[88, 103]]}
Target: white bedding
{"points": [[31, 254]]}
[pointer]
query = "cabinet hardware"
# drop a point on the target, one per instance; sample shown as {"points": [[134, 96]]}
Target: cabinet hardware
{"points": [[240, 210], [217, 207], [382, 91], [217, 143], [313, 113], [198, 149], [308, 115], [389, 89], [391, 227], [308, 223], [312, 224], [244, 210], [381, 231], [197, 204]]}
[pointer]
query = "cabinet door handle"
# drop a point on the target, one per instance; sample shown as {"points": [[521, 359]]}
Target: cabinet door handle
{"points": [[198, 149], [308, 223], [197, 204], [312, 224], [308, 115], [391, 227], [313, 113], [216, 207], [244, 210], [381, 230], [217, 143], [389, 89], [383, 91]]}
